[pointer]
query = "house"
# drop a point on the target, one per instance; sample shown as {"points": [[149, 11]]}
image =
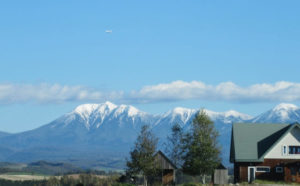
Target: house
{"points": [[168, 169], [266, 151]]}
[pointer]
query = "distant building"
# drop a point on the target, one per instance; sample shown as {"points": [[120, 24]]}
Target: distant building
{"points": [[266, 151], [220, 175], [168, 169]]}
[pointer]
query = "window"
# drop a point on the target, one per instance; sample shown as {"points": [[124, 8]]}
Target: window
{"points": [[279, 169], [293, 171], [294, 150], [262, 169], [284, 150]]}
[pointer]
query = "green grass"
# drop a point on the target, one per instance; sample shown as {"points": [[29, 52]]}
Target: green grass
{"points": [[273, 182], [194, 184], [269, 182]]}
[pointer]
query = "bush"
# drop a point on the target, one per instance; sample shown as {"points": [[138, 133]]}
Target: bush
{"points": [[122, 184], [190, 184]]}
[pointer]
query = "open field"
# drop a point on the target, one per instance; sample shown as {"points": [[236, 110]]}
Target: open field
{"points": [[22, 177]]}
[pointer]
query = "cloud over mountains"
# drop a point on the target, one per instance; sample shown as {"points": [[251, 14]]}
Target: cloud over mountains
{"points": [[174, 91], [225, 91]]}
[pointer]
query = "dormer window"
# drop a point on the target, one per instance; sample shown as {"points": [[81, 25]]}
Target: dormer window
{"points": [[294, 150]]}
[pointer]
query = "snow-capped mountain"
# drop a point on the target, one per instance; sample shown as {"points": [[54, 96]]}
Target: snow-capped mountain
{"points": [[184, 117], [106, 132], [282, 113], [93, 116], [90, 125], [228, 117]]}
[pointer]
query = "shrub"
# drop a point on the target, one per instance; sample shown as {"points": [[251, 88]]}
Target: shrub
{"points": [[190, 184]]}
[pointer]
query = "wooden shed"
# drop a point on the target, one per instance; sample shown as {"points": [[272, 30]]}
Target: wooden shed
{"points": [[221, 175], [168, 169]]}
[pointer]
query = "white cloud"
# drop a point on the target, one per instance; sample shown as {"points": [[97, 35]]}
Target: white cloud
{"points": [[46, 93], [225, 91], [174, 91]]}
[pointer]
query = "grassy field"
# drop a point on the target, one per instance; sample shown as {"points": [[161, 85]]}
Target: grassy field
{"points": [[22, 177]]}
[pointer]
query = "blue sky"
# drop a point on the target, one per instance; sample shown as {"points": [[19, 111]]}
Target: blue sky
{"points": [[221, 55]]}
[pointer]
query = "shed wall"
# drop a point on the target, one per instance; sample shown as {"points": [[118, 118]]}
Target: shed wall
{"points": [[221, 176]]}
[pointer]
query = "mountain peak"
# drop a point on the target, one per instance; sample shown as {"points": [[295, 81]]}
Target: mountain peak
{"points": [[282, 113], [285, 106], [237, 114], [85, 110], [228, 116], [181, 110], [109, 104], [131, 111]]}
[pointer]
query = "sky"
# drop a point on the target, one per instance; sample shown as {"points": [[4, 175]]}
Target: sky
{"points": [[154, 55]]}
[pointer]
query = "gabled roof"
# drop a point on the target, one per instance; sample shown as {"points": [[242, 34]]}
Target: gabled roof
{"points": [[251, 142], [290, 128], [221, 166], [166, 158]]}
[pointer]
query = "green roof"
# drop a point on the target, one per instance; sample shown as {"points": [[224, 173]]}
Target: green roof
{"points": [[251, 141]]}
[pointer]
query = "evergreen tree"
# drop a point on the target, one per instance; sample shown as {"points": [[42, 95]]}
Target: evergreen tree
{"points": [[173, 146], [202, 153], [142, 158]]}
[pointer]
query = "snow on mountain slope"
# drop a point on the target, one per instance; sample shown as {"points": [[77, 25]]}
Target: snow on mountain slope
{"points": [[177, 115], [91, 113], [282, 113], [93, 116], [93, 129], [228, 117], [184, 117]]}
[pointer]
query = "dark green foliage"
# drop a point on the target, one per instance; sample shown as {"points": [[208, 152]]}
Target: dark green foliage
{"points": [[173, 146], [122, 184], [190, 184], [22, 183], [142, 158], [51, 168], [201, 150]]}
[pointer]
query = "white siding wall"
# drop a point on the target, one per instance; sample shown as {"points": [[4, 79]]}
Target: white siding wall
{"points": [[292, 138]]}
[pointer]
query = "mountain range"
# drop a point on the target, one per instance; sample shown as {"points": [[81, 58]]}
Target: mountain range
{"points": [[100, 135]]}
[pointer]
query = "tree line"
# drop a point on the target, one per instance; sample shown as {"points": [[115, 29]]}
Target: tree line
{"points": [[195, 151]]}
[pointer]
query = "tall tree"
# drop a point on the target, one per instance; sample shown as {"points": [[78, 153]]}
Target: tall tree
{"points": [[142, 158], [173, 145], [202, 152]]}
